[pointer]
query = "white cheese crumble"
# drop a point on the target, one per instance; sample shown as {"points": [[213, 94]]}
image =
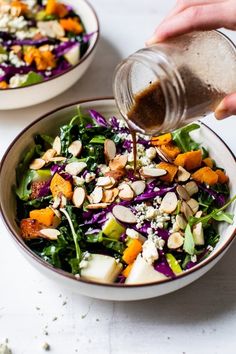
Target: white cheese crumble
{"points": [[78, 181], [2, 72], [150, 252], [14, 59], [194, 258], [17, 80]]}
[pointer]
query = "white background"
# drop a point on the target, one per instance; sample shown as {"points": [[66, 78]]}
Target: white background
{"points": [[198, 319]]}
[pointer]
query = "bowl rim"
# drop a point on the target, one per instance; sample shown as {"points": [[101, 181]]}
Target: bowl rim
{"points": [[70, 276], [86, 55]]}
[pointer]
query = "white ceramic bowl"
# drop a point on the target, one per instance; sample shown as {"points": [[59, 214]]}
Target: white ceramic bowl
{"points": [[47, 125], [20, 97]]}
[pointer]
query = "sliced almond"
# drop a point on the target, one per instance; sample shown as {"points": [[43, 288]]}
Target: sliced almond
{"points": [[97, 206], [57, 145], [78, 197], [186, 210], [169, 203], [75, 148], [48, 155], [57, 159], [103, 181], [106, 182], [116, 174], [96, 196], [109, 195], [149, 172], [124, 214], [126, 193], [75, 168], [163, 156], [119, 162], [138, 187], [194, 205], [180, 222], [182, 174], [198, 234], [175, 241], [191, 187], [109, 150], [182, 193], [36, 164], [51, 234], [198, 214]]}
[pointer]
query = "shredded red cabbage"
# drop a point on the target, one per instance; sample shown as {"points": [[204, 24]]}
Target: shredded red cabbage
{"points": [[162, 266], [98, 118]]}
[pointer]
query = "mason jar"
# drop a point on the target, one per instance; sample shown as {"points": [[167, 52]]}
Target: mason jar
{"points": [[165, 86]]}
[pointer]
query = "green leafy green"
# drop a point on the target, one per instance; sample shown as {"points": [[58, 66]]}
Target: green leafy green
{"points": [[216, 214], [24, 176], [189, 245], [205, 153], [32, 78], [98, 139], [183, 139]]}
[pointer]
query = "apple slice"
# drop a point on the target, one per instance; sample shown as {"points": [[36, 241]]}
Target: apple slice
{"points": [[73, 55], [112, 228]]}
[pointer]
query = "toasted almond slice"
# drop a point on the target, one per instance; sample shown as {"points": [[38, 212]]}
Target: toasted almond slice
{"points": [[57, 159], [97, 206], [149, 172], [138, 187], [191, 187], [124, 214], [116, 174], [36, 164], [103, 181], [186, 210], [75, 148], [51, 234], [163, 156], [126, 193], [175, 241], [78, 197], [113, 182], [182, 174], [48, 155], [181, 222], [57, 145], [107, 196], [96, 196], [75, 168], [183, 194], [169, 203], [194, 205], [109, 150], [119, 162]]}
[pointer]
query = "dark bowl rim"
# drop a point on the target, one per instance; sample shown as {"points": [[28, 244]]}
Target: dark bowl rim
{"points": [[86, 55], [67, 275]]}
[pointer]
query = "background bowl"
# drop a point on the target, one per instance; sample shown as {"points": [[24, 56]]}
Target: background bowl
{"points": [[48, 124], [20, 97]]}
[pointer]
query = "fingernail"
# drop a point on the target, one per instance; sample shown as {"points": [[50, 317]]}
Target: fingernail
{"points": [[151, 41], [221, 111]]}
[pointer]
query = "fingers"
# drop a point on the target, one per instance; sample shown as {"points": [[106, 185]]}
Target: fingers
{"points": [[184, 4], [227, 107], [206, 17]]}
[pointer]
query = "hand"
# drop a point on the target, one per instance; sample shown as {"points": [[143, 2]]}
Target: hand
{"points": [[194, 15]]}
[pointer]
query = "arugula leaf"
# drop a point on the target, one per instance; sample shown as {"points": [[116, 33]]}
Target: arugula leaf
{"points": [[186, 260], [211, 236], [76, 238], [114, 245], [216, 214], [98, 139], [222, 216], [32, 78], [183, 139], [189, 245], [94, 238], [205, 153]]}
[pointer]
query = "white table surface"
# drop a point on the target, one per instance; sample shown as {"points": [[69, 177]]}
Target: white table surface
{"points": [[198, 319]]}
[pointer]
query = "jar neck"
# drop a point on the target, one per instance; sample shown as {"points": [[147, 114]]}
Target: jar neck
{"points": [[159, 67]]}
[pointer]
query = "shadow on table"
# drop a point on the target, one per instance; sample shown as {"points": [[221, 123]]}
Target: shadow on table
{"points": [[209, 297]]}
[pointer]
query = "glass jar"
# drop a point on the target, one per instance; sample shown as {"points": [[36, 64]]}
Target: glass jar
{"points": [[184, 78]]}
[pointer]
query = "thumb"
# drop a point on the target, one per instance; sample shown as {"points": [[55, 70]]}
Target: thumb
{"points": [[227, 107]]}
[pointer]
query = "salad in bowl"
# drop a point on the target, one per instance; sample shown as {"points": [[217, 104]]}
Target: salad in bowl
{"points": [[38, 41], [83, 208]]}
